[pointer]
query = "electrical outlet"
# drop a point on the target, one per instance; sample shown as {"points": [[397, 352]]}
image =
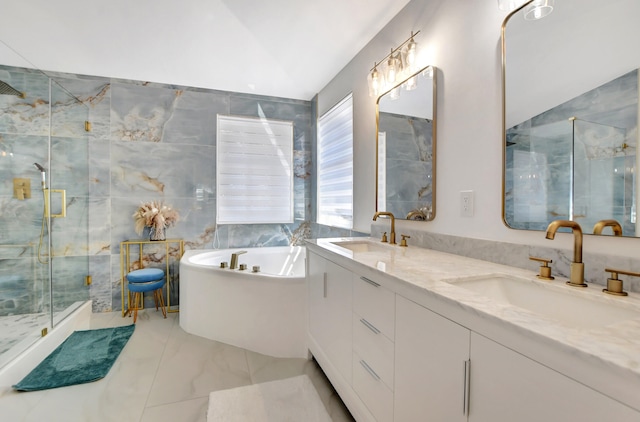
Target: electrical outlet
{"points": [[466, 203]]}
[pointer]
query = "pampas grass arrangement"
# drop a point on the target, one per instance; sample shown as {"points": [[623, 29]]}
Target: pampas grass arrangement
{"points": [[156, 215]]}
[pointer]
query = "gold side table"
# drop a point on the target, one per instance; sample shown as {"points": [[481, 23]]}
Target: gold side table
{"points": [[125, 265]]}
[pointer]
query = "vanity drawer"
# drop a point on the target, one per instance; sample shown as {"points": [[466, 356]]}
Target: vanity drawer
{"points": [[374, 348], [375, 303], [372, 391]]}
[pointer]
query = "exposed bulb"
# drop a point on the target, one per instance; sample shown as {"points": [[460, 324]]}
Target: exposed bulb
{"points": [[392, 71], [375, 82], [411, 54]]}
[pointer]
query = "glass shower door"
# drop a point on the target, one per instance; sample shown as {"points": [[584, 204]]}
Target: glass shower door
{"points": [[69, 200], [43, 208]]}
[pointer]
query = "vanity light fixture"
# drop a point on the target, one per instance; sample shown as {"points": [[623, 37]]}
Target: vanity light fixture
{"points": [[400, 63]]}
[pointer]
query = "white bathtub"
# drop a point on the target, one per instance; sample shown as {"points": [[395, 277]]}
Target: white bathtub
{"points": [[264, 312]]}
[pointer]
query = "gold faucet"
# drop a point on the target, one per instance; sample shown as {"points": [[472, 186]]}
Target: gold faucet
{"points": [[577, 267], [416, 215], [234, 259], [392, 234], [615, 226]]}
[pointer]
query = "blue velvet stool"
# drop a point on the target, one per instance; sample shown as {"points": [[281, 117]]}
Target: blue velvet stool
{"points": [[146, 280]]}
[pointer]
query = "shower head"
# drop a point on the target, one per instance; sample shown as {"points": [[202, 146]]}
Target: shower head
{"points": [[43, 173], [7, 89]]}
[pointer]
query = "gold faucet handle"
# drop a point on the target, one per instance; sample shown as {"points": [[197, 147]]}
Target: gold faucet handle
{"points": [[384, 237], [614, 285], [403, 242], [545, 269]]}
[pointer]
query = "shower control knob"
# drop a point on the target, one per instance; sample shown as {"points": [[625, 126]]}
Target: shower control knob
{"points": [[243, 267], [224, 264]]}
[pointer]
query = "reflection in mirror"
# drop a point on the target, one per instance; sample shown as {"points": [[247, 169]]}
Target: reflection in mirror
{"points": [[406, 132], [571, 122]]}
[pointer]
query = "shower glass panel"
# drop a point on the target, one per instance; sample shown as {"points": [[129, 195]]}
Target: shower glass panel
{"points": [[43, 255], [572, 169]]}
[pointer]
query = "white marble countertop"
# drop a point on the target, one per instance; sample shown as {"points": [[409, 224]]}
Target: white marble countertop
{"points": [[612, 347]]}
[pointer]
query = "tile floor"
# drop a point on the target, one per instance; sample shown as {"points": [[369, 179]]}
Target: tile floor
{"points": [[163, 374]]}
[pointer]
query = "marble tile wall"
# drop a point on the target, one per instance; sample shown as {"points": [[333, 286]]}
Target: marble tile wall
{"points": [[602, 143], [148, 142], [409, 154]]}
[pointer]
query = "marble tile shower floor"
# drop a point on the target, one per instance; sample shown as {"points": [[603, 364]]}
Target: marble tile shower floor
{"points": [[163, 374]]}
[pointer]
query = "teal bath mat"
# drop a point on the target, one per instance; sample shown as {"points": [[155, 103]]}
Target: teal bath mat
{"points": [[85, 356]]}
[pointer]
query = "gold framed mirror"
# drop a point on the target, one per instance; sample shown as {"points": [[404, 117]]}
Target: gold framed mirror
{"points": [[570, 116], [406, 147]]}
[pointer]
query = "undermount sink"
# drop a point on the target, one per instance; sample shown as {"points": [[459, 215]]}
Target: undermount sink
{"points": [[362, 246], [570, 308]]}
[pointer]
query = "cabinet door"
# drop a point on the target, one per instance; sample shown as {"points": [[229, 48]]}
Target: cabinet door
{"points": [[330, 311], [430, 363], [507, 386]]}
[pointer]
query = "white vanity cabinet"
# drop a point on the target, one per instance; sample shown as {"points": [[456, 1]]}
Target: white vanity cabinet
{"points": [[373, 346], [395, 352], [431, 365], [445, 372], [507, 386], [330, 312]]}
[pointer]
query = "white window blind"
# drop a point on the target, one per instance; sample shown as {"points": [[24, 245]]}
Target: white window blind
{"points": [[335, 166], [254, 171]]}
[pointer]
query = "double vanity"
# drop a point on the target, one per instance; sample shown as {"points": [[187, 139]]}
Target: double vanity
{"points": [[407, 333]]}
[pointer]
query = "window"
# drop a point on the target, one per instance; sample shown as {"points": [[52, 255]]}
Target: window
{"points": [[335, 166], [254, 172]]}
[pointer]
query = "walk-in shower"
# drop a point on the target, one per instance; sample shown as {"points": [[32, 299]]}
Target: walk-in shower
{"points": [[43, 253]]}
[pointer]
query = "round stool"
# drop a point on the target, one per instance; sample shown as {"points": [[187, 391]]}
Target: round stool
{"points": [[145, 274], [146, 280]]}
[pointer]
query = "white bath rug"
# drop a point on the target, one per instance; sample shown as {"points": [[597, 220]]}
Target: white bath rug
{"points": [[289, 400]]}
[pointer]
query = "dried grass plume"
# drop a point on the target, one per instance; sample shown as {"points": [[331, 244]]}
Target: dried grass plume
{"points": [[154, 214]]}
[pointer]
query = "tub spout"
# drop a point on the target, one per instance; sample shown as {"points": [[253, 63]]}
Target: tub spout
{"points": [[234, 259]]}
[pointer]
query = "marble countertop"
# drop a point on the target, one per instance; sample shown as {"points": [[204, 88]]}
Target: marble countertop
{"points": [[612, 345]]}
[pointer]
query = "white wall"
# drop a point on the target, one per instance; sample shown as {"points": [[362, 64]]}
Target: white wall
{"points": [[462, 39]]}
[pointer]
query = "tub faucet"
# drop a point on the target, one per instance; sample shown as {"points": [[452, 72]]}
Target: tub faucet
{"points": [[577, 267], [234, 259], [392, 234], [615, 226]]}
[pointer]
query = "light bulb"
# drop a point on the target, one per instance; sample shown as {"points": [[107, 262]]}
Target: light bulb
{"points": [[392, 71], [411, 53], [375, 81]]}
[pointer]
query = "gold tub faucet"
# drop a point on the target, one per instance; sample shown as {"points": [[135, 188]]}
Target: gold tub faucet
{"points": [[234, 259], [577, 267], [392, 234]]}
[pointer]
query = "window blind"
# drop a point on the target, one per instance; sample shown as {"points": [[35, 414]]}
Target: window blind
{"points": [[254, 171], [335, 166]]}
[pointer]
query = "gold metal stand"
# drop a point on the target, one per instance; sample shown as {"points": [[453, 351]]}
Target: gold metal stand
{"points": [[125, 266]]}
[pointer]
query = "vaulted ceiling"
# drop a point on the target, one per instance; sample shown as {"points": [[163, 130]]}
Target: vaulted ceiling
{"points": [[284, 48]]}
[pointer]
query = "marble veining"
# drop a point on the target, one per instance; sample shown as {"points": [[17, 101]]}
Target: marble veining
{"points": [[593, 138]]}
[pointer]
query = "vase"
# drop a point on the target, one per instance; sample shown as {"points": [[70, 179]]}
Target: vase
{"points": [[157, 233]]}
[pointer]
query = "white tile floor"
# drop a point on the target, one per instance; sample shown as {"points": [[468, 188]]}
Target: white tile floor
{"points": [[163, 374]]}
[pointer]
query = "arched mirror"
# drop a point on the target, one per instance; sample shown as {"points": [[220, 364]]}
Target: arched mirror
{"points": [[570, 116], [406, 148]]}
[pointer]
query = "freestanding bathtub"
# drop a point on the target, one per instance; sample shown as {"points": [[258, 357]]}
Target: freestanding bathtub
{"points": [[261, 311]]}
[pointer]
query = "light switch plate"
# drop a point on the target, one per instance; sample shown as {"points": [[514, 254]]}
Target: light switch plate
{"points": [[466, 203]]}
